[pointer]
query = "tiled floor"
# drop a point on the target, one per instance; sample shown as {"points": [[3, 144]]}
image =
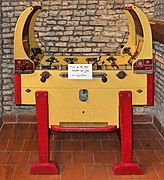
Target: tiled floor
{"points": [[80, 156]]}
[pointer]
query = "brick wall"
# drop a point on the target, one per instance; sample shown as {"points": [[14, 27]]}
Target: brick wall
{"points": [[65, 26]]}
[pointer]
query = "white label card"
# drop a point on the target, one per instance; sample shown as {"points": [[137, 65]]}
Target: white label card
{"points": [[80, 71]]}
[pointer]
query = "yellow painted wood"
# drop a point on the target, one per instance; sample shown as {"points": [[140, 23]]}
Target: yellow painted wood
{"points": [[19, 51], [146, 51], [63, 94], [55, 81], [102, 104]]}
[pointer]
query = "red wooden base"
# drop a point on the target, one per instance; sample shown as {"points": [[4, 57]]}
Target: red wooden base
{"points": [[127, 168], [44, 168]]}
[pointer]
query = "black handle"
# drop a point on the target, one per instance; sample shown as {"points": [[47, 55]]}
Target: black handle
{"points": [[43, 79], [104, 79], [23, 68]]}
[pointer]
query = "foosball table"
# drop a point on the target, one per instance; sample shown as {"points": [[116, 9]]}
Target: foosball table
{"points": [[84, 93]]}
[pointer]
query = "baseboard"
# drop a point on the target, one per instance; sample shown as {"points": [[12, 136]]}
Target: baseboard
{"points": [[30, 117], [1, 122], [18, 117], [142, 118], [158, 125]]}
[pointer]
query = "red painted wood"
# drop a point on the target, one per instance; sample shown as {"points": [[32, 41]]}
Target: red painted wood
{"points": [[17, 88], [125, 103], [150, 89], [43, 166], [84, 129], [126, 166], [42, 124]]}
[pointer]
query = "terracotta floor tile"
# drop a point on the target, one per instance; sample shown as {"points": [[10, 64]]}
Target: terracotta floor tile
{"points": [[99, 136], [151, 145], [111, 144], [30, 146], [147, 157], [160, 155], [2, 173], [159, 168], [21, 127], [137, 145], [96, 172], [149, 173], [114, 135], [152, 134], [7, 127], [26, 135], [1, 133], [23, 173], [81, 136], [55, 145], [34, 156], [61, 157], [139, 134], [161, 142], [33, 127], [4, 155], [14, 145], [88, 154], [72, 172], [112, 176], [104, 157], [35, 137], [83, 157], [51, 136], [3, 144], [61, 136], [71, 146], [48, 177], [9, 135], [93, 145], [151, 126], [6, 172], [18, 157]]}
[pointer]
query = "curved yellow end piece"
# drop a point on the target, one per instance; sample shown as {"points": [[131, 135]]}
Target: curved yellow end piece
{"points": [[140, 36], [24, 38], [146, 51]]}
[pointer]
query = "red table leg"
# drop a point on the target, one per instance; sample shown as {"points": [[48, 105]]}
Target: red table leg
{"points": [[126, 166], [43, 166]]}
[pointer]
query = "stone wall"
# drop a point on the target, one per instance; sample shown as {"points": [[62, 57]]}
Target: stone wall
{"points": [[159, 73], [159, 84], [159, 9], [65, 26]]}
